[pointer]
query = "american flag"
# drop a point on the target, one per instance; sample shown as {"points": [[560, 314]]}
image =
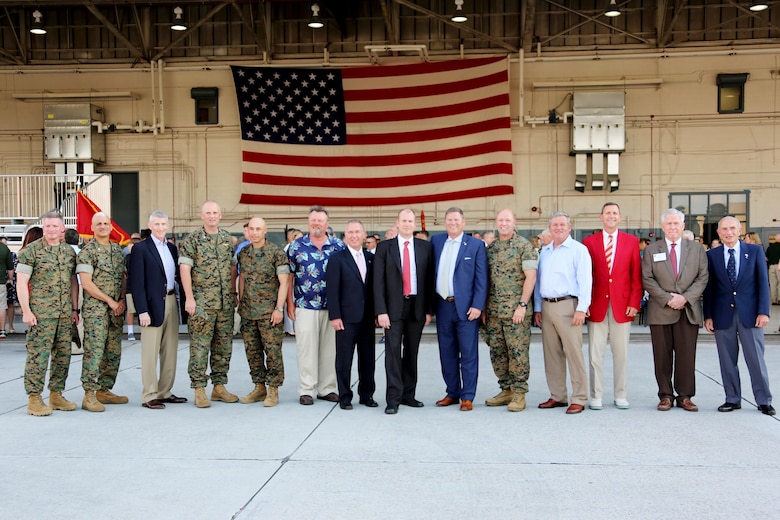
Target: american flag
{"points": [[375, 136]]}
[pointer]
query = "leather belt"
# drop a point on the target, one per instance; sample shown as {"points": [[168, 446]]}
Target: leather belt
{"points": [[559, 299], [171, 292], [450, 299], [410, 296]]}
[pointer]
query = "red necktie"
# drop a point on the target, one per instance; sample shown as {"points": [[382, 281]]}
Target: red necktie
{"points": [[673, 259], [407, 270], [608, 253]]}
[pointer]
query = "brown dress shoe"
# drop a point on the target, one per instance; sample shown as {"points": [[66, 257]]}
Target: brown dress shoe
{"points": [[331, 397], [466, 405], [686, 404], [665, 405], [574, 408], [447, 401], [552, 403]]}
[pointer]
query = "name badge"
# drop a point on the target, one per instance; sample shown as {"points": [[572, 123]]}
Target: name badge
{"points": [[659, 257]]}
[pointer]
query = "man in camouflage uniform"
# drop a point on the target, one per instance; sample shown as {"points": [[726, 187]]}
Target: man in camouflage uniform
{"points": [[262, 291], [208, 278], [101, 266], [49, 308], [512, 262]]}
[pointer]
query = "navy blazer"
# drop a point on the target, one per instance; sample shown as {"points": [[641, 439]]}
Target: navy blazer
{"points": [[349, 299], [470, 279], [751, 295], [147, 279]]}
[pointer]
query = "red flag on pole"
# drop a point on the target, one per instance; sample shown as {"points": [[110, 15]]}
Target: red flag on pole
{"points": [[85, 210]]}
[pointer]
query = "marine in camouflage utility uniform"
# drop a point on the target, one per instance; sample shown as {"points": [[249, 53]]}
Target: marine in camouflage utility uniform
{"points": [[260, 268], [51, 270], [103, 333], [211, 327], [508, 342]]}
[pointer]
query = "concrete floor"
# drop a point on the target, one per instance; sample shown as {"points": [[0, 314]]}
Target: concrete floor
{"points": [[320, 462]]}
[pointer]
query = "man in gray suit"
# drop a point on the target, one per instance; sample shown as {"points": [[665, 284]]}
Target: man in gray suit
{"points": [[674, 273]]}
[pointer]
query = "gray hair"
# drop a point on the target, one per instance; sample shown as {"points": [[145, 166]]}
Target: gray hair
{"points": [[453, 209], [559, 214], [354, 221], [158, 213], [672, 211], [54, 214], [688, 235]]}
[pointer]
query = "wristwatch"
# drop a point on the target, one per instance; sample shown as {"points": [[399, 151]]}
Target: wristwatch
{"points": [[523, 304], [280, 309]]}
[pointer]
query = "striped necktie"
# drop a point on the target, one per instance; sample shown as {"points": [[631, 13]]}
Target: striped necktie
{"points": [[608, 252]]}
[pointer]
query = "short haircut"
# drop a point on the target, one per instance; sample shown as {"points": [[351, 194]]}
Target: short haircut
{"points": [[355, 221], [158, 214], [71, 237], [54, 214], [672, 211], [560, 214], [610, 204], [319, 209], [453, 209], [407, 209]]}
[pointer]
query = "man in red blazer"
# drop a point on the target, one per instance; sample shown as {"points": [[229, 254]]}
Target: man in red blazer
{"points": [[617, 292]]}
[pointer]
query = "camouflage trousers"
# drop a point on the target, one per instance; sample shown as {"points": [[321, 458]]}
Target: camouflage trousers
{"points": [[211, 341], [102, 351], [51, 336], [509, 352], [263, 343]]}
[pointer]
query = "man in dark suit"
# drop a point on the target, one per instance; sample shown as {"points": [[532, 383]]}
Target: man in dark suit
{"points": [[615, 300], [403, 303], [736, 309], [349, 278], [153, 275], [674, 273], [461, 283]]}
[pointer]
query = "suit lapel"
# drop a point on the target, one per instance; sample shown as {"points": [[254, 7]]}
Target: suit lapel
{"points": [[155, 254], [352, 262]]}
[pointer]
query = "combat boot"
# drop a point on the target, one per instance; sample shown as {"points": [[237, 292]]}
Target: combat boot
{"points": [[201, 401], [58, 402], [273, 397], [503, 398], [220, 393], [256, 395], [36, 406], [518, 402], [106, 396], [91, 403]]}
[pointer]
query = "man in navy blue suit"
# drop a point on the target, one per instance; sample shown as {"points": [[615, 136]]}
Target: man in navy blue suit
{"points": [[153, 275], [461, 276], [351, 312], [736, 309]]}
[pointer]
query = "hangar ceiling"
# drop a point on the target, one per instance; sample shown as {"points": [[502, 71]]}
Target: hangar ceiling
{"points": [[132, 33]]}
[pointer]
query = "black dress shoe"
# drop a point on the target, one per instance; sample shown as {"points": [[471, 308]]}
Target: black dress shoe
{"points": [[391, 410], [154, 404], [173, 399], [414, 403], [729, 407], [767, 409], [345, 406], [369, 402]]}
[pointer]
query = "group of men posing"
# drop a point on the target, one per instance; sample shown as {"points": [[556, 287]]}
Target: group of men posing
{"points": [[338, 292]]}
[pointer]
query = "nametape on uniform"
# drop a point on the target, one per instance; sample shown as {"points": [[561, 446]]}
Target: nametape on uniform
{"points": [[659, 257]]}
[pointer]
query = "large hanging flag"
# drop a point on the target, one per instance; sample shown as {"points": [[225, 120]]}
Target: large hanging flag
{"points": [[85, 210], [375, 136]]}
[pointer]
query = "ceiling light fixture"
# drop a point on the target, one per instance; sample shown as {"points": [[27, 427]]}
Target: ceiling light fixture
{"points": [[178, 20], [315, 22], [758, 6], [37, 26], [459, 16], [613, 10]]}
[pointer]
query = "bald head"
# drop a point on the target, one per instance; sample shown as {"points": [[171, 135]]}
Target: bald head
{"points": [[256, 231]]}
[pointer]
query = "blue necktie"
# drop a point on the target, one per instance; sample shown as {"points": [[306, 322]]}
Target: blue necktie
{"points": [[731, 268]]}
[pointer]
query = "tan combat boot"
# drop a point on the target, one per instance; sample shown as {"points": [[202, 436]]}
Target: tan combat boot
{"points": [[273, 397], [108, 397], [518, 402], [220, 393], [201, 401], [256, 395], [91, 403], [36, 407], [58, 402], [503, 398]]}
